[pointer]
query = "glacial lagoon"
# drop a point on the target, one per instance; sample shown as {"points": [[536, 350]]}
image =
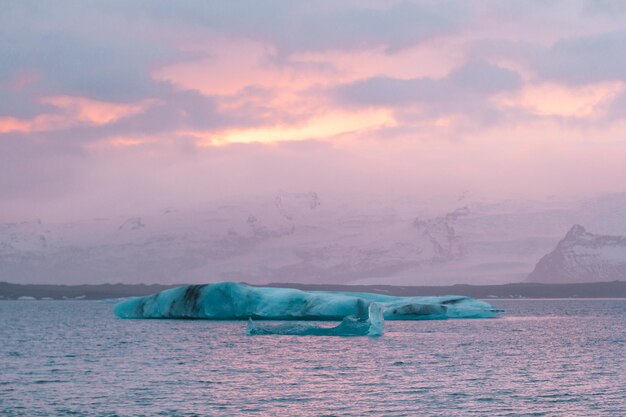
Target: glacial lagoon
{"points": [[541, 358]]}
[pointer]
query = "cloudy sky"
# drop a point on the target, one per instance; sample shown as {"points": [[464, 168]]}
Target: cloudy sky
{"points": [[117, 106]]}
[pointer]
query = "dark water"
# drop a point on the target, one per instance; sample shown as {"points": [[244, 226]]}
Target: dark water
{"points": [[548, 357]]}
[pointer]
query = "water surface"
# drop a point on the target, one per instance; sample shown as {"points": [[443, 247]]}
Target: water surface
{"points": [[544, 357]]}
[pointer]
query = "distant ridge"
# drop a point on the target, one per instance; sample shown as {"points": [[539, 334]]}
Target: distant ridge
{"points": [[88, 292], [614, 289], [304, 237]]}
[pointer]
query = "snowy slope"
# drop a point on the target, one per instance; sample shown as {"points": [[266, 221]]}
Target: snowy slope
{"points": [[301, 237], [583, 257]]}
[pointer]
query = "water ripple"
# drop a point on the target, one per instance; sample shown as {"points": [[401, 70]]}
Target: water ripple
{"points": [[545, 358]]}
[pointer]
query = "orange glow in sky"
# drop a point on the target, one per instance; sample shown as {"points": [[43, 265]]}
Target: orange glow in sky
{"points": [[556, 100], [324, 126], [82, 109], [74, 110]]}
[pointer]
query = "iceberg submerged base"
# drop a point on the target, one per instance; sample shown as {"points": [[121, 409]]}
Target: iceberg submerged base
{"points": [[372, 325]]}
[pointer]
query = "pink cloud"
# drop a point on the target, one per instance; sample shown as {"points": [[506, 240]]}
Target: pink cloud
{"points": [[411, 97]]}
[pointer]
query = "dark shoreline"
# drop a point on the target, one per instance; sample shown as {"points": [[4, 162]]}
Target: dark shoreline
{"points": [[614, 289]]}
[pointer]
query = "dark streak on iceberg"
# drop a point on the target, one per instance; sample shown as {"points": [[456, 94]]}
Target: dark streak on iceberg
{"points": [[232, 301]]}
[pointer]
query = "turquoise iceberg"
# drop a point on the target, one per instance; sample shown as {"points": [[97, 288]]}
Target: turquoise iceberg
{"points": [[233, 301]]}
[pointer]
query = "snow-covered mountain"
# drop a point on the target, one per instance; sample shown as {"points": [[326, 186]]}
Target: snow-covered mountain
{"points": [[583, 257], [302, 237]]}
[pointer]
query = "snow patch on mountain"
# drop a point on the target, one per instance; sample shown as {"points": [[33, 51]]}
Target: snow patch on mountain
{"points": [[134, 223]]}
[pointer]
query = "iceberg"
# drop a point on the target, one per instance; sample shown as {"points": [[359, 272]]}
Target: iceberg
{"points": [[371, 325], [234, 301]]}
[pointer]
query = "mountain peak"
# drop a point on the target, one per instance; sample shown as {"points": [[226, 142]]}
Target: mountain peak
{"points": [[583, 257], [576, 231]]}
